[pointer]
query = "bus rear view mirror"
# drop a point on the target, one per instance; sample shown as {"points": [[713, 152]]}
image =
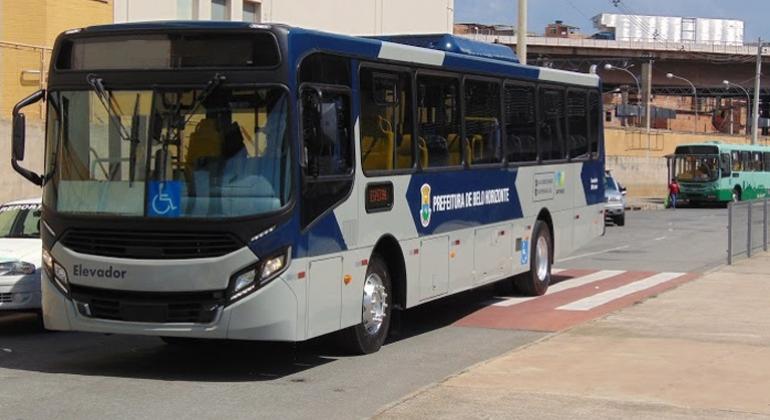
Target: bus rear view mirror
{"points": [[18, 136], [19, 126]]}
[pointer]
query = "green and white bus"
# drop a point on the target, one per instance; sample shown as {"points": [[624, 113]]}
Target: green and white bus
{"points": [[721, 172]]}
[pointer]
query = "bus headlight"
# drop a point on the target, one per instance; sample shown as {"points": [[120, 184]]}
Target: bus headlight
{"points": [[56, 272], [252, 278]]}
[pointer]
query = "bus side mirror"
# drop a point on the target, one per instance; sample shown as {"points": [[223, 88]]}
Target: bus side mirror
{"points": [[18, 136]]}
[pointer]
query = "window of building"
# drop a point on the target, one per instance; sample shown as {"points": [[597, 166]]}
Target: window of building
{"points": [[552, 124], [252, 11], [438, 109], [386, 120], [185, 9], [482, 122], [520, 123], [577, 124], [220, 10]]}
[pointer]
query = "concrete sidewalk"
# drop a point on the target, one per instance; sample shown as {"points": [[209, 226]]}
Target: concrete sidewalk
{"points": [[699, 351]]}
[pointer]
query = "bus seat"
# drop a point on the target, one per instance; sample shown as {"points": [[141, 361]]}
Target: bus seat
{"points": [[404, 152], [377, 149]]}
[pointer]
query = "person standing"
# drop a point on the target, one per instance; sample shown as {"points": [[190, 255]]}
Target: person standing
{"points": [[673, 192]]}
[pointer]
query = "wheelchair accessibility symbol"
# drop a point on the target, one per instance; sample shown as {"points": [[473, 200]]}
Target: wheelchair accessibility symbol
{"points": [[164, 199]]}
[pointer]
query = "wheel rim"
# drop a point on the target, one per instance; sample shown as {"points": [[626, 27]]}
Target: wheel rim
{"points": [[542, 258], [374, 303]]}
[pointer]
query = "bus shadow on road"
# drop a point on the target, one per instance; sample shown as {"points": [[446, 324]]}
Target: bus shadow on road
{"points": [[26, 346]]}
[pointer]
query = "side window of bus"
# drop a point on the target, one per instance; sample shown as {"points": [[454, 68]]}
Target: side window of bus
{"points": [[577, 124], [745, 161], [482, 122], [520, 123], [327, 140], [386, 120], [737, 163], [551, 124], [757, 161], [724, 164], [594, 123], [438, 109], [767, 161]]}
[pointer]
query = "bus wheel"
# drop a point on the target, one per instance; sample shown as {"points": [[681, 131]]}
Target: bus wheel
{"points": [[369, 335], [736, 195], [535, 282]]}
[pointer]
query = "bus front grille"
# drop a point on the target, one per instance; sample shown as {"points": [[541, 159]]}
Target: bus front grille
{"points": [[152, 307], [150, 245]]}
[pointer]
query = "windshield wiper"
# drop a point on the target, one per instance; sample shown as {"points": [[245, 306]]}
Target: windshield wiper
{"points": [[96, 83], [177, 121], [211, 86]]}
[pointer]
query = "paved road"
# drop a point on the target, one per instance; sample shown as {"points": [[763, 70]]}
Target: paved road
{"points": [[76, 375], [687, 240]]}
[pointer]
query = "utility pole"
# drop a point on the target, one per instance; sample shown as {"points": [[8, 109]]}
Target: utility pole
{"points": [[521, 33], [647, 92], [755, 113]]}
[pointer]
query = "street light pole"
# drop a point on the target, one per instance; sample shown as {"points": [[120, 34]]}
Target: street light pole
{"points": [[694, 94], [610, 67], [727, 84], [755, 113], [521, 33]]}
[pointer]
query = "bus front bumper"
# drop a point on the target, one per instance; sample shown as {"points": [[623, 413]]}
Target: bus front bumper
{"points": [[269, 314]]}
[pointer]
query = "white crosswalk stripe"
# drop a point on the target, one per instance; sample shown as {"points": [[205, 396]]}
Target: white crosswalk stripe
{"points": [[599, 299], [564, 285]]}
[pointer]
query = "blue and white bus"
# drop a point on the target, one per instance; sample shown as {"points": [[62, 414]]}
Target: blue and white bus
{"points": [[264, 182]]}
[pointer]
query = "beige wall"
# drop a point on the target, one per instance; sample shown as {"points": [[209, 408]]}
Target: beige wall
{"points": [[12, 185], [356, 17], [28, 29]]}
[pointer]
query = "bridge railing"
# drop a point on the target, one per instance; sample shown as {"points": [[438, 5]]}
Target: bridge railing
{"points": [[659, 45], [747, 228]]}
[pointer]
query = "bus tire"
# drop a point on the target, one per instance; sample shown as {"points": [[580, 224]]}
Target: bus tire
{"points": [[376, 303], [536, 281], [620, 220], [736, 195]]}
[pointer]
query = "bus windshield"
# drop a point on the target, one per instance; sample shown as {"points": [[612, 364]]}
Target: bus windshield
{"points": [[205, 152], [697, 168]]}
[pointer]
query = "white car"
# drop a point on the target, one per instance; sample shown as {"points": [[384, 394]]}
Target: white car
{"points": [[20, 255]]}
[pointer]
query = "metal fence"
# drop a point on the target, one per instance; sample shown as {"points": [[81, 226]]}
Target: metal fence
{"points": [[747, 228]]}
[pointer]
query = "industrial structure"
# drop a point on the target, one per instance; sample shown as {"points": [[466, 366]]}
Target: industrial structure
{"points": [[670, 29]]}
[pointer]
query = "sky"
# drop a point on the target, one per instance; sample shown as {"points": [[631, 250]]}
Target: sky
{"points": [[754, 13]]}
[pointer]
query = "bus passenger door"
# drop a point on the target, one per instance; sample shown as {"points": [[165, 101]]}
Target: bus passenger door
{"points": [[324, 295], [434, 267]]}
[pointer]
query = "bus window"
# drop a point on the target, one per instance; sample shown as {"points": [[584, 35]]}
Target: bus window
{"points": [[520, 134], [327, 69], [766, 156], [482, 121], [756, 161], [594, 126], [737, 164], [386, 120], [327, 150], [438, 107], [551, 124], [745, 161], [577, 124]]}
